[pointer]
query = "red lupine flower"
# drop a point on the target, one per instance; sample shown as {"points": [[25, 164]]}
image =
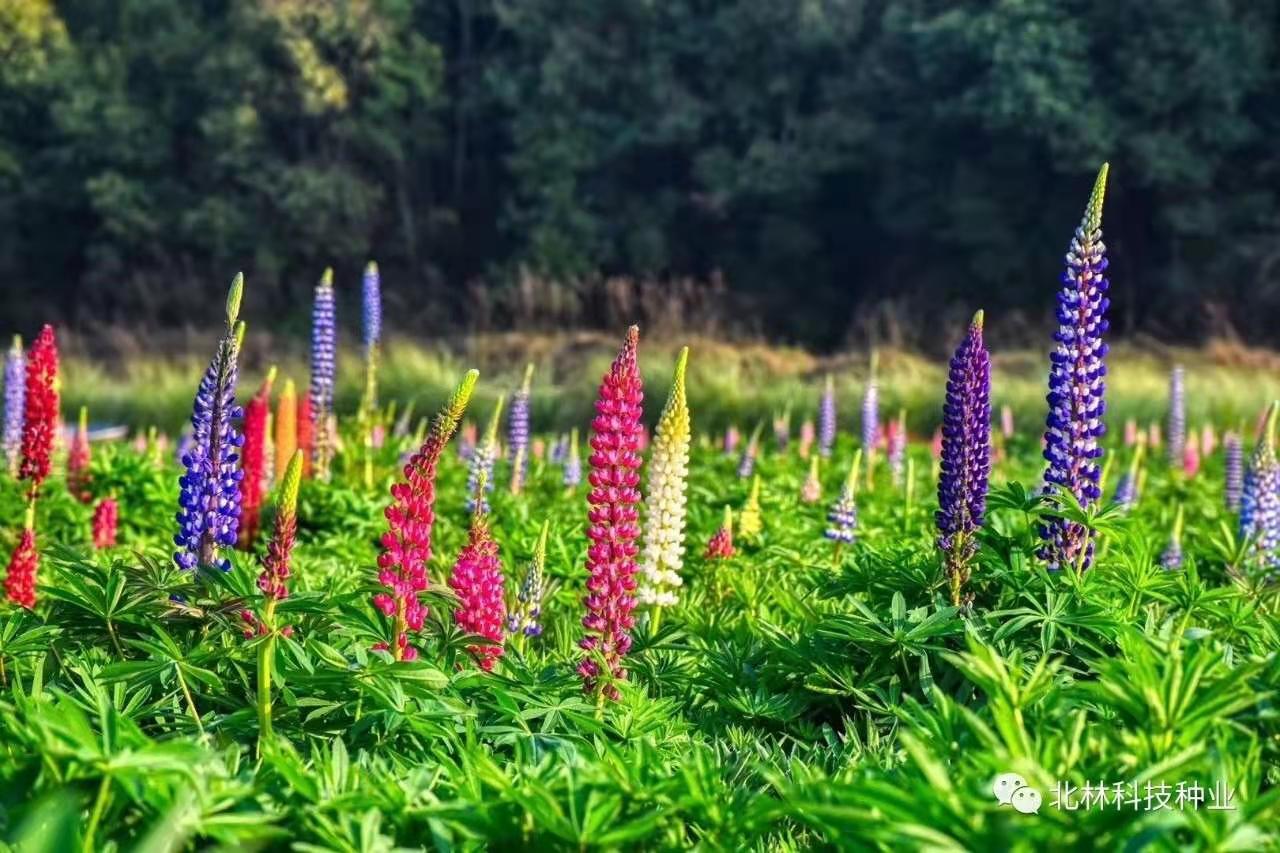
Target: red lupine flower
{"points": [[253, 460], [402, 566], [306, 433], [720, 546], [20, 579], [613, 528], [106, 518], [78, 458], [477, 579], [275, 566], [40, 423]]}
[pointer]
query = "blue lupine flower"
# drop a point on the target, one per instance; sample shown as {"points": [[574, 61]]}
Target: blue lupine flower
{"points": [[572, 463], [843, 515], [371, 301], [871, 414], [323, 369], [1233, 464], [747, 462], [15, 396], [1077, 385], [827, 418], [518, 431], [1171, 558], [480, 465], [1176, 441], [965, 465], [1126, 496], [209, 490], [1262, 495], [526, 617]]}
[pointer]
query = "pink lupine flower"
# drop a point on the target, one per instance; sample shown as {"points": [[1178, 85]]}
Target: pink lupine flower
{"points": [[613, 527], [1191, 456], [106, 517], [477, 579]]}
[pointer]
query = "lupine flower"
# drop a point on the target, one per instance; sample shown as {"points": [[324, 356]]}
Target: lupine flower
{"points": [[720, 545], [477, 580], [612, 529], [897, 446], [274, 580], [935, 444], [1130, 432], [1191, 456], [1006, 422], [371, 302], [406, 546], [573, 463], [1262, 495], [1208, 440], [286, 423], [1171, 559], [1077, 385], [518, 432], [538, 449], [253, 462], [559, 449], [40, 418], [966, 458], [747, 464], [827, 418], [15, 395], [1177, 416], [663, 555], [1233, 464], [808, 434], [731, 439], [811, 491], [871, 416], [480, 467], [78, 458], [782, 429], [20, 577], [467, 439], [1126, 496], [209, 499], [643, 442], [751, 519], [843, 515], [106, 519], [323, 369], [1154, 439], [525, 618]]}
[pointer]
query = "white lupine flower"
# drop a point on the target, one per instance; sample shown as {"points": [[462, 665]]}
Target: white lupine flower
{"points": [[663, 554]]}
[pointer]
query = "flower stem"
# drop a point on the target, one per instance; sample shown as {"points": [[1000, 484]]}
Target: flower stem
{"points": [[99, 806], [191, 703]]}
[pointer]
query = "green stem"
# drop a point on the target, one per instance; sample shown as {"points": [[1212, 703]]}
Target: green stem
{"points": [[655, 620], [266, 655], [99, 806], [191, 703]]}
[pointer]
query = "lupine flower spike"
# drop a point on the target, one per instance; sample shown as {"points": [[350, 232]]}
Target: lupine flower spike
{"points": [[751, 519], [1130, 432], [518, 432], [286, 424], [1233, 463], [406, 546], [1126, 496], [966, 459], [842, 518], [79, 455], [1171, 559], [1208, 440], [897, 446], [480, 466], [274, 584], [209, 502], [1260, 512], [871, 418], [305, 433], [731, 438], [1191, 456], [612, 529], [747, 464], [477, 580], [720, 546], [371, 304], [20, 577], [827, 418], [811, 491], [572, 464], [106, 519], [782, 429], [663, 556], [525, 618], [1006, 422], [1077, 385], [1177, 424], [323, 369], [15, 394], [253, 463], [41, 415], [808, 434]]}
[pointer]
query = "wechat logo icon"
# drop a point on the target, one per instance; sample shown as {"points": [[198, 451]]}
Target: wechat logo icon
{"points": [[1010, 789]]}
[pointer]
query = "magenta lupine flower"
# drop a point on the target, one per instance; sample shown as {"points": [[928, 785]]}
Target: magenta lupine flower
{"points": [[827, 418], [1177, 416], [402, 566], [966, 458], [1077, 385], [613, 527], [477, 580]]}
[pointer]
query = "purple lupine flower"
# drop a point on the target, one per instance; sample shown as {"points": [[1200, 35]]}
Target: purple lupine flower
{"points": [[572, 462], [897, 450], [1126, 496], [1177, 439], [371, 302], [1262, 495], [731, 438], [1233, 465], [966, 458], [480, 465], [525, 617], [323, 368], [559, 449], [842, 518], [871, 415], [15, 395], [827, 418], [518, 431], [747, 464], [1171, 558], [209, 498], [782, 429], [1077, 385]]}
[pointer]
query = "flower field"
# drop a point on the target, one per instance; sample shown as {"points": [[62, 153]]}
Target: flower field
{"points": [[313, 626]]}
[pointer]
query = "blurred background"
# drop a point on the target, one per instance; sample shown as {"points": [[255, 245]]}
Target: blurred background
{"points": [[824, 173]]}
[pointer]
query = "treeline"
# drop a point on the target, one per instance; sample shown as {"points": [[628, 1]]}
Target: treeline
{"points": [[825, 167]]}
